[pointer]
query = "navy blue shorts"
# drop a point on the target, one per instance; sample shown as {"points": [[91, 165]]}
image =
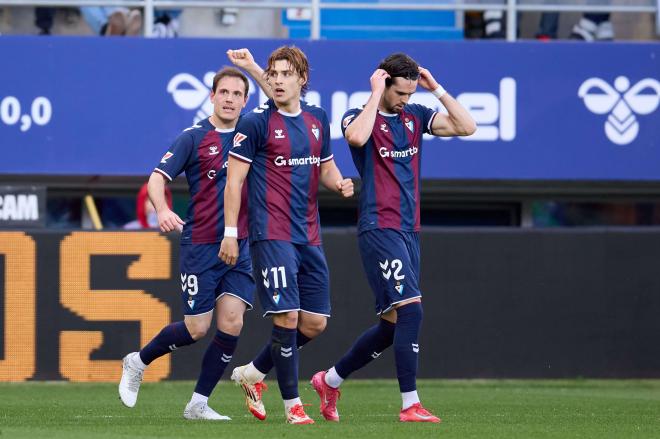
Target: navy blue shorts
{"points": [[291, 277], [205, 278], [391, 261]]}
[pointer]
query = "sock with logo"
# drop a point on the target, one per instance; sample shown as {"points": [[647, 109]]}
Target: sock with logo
{"points": [[406, 347], [171, 337], [217, 357], [285, 358], [264, 360], [366, 348]]}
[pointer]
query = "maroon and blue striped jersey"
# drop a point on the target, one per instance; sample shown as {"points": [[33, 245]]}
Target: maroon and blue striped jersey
{"points": [[285, 152], [202, 152], [389, 165]]}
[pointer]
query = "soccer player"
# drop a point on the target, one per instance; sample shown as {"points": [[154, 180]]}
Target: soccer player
{"points": [[207, 282], [285, 146], [385, 138]]}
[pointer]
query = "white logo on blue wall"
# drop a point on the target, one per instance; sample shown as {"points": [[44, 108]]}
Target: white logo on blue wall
{"points": [[621, 103], [190, 93]]}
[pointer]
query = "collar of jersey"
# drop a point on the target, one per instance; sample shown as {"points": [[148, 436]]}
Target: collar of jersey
{"points": [[382, 113], [284, 113], [225, 130]]}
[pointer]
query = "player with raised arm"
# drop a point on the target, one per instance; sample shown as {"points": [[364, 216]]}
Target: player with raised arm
{"points": [[385, 138], [284, 145], [207, 283]]}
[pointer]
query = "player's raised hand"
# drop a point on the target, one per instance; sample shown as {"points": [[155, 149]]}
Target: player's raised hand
{"points": [[169, 221], [426, 80], [345, 187], [240, 58], [228, 250], [378, 81]]}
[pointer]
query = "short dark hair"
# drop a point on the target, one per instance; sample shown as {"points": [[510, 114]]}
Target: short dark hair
{"points": [[399, 65], [296, 59], [230, 72]]}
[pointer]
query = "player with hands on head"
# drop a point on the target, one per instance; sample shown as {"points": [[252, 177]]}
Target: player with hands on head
{"points": [[209, 285], [385, 138], [284, 145]]}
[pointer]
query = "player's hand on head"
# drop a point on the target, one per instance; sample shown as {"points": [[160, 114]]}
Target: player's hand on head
{"points": [[345, 187], [240, 57], [426, 80], [378, 81], [169, 221], [228, 250]]}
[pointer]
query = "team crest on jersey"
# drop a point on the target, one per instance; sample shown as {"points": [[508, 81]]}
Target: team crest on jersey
{"points": [[315, 131], [213, 150], [191, 304], [276, 297], [410, 125], [383, 127], [166, 156], [238, 138], [279, 134], [347, 120], [399, 288]]}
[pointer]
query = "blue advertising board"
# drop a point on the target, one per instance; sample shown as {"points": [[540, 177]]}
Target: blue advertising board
{"points": [[560, 111]]}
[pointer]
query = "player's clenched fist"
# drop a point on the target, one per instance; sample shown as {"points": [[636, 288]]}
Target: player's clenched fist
{"points": [[240, 57], [345, 187], [378, 81], [229, 251], [169, 221]]}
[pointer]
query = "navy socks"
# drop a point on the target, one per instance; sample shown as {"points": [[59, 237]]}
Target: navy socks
{"points": [[406, 347], [171, 337], [284, 352], [366, 348], [217, 357]]}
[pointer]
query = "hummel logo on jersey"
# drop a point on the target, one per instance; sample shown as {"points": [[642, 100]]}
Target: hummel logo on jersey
{"points": [[384, 266], [410, 125], [226, 358], [172, 347], [286, 352], [166, 156], [375, 355], [415, 347], [383, 127], [238, 138], [315, 131], [213, 150], [279, 134]]}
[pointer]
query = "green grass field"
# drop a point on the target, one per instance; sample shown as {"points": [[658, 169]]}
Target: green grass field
{"points": [[469, 409]]}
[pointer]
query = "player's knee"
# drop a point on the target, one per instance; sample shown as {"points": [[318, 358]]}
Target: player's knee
{"points": [[197, 330], [286, 320], [411, 311], [312, 327], [231, 322]]}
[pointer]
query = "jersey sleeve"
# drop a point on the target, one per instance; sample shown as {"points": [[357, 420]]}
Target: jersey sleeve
{"points": [[326, 149], [348, 118], [426, 115], [176, 158], [248, 138]]}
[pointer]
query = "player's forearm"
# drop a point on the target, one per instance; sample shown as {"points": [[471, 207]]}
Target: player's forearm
{"points": [[330, 175], [359, 131], [232, 202], [156, 191], [460, 121], [257, 73]]}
